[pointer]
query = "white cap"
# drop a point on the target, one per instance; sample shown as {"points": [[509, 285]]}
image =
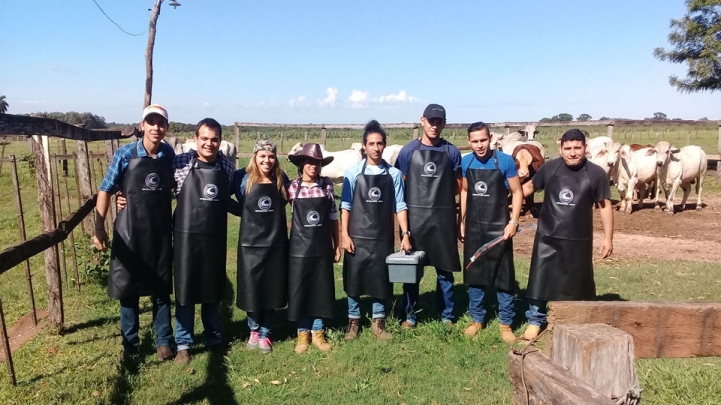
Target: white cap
{"points": [[155, 109]]}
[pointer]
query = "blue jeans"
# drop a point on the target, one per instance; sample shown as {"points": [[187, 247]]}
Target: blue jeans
{"points": [[185, 324], [379, 308], [314, 324], [537, 312], [444, 297], [261, 322], [476, 295], [130, 321]]}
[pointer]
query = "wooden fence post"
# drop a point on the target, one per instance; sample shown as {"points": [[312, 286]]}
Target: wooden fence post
{"points": [[52, 274], [306, 136], [21, 227], [718, 163], [282, 138], [82, 164], [609, 131], [64, 151], [508, 130], [2, 152], [59, 212], [236, 132], [323, 135], [6, 347], [415, 133], [71, 238]]}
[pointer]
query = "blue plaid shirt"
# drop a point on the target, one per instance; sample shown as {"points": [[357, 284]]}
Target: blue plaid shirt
{"points": [[113, 178], [181, 165]]}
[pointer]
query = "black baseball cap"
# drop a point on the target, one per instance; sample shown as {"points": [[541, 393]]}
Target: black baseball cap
{"points": [[435, 111]]}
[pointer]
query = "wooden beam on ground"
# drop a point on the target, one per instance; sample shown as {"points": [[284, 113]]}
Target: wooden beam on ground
{"points": [[548, 383], [659, 329], [24, 125]]}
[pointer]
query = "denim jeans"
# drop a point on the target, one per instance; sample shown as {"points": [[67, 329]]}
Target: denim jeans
{"points": [[476, 295], [130, 321], [185, 324], [261, 322], [314, 324], [444, 297], [379, 308], [537, 312]]}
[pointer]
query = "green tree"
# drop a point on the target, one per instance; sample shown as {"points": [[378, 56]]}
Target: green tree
{"points": [[3, 105], [659, 116], [696, 41], [584, 117], [562, 117]]}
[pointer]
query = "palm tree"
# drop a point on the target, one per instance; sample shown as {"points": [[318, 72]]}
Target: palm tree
{"points": [[3, 105]]}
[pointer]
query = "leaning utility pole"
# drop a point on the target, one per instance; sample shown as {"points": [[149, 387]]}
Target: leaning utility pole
{"points": [[154, 13]]}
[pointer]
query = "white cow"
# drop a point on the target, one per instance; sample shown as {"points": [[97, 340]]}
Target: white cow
{"points": [[357, 146], [229, 150], [390, 153], [342, 161], [603, 151], [635, 168], [679, 168]]}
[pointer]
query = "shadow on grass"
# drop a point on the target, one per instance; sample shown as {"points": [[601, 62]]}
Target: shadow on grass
{"points": [[122, 388], [216, 389], [89, 324]]}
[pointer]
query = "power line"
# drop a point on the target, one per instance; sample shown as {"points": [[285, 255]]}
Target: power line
{"points": [[116, 24]]}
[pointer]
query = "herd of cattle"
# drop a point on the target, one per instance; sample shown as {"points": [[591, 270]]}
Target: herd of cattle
{"points": [[633, 168]]}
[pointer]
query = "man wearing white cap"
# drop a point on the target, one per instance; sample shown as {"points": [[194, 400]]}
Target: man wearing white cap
{"points": [[141, 252]]}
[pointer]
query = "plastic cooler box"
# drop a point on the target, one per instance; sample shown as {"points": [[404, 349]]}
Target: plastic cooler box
{"points": [[406, 267]]}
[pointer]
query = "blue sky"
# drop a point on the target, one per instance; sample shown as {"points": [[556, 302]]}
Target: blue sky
{"points": [[346, 62]]}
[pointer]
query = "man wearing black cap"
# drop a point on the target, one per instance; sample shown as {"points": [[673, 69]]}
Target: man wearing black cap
{"points": [[432, 168], [562, 259]]}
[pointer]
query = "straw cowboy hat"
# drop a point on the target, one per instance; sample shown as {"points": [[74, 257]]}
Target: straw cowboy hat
{"points": [[310, 151]]}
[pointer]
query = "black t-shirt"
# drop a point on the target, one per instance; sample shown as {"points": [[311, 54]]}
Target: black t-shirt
{"points": [[202, 165], [596, 175]]}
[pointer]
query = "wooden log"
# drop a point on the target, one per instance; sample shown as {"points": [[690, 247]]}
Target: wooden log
{"points": [[47, 219], [84, 186], [598, 354], [659, 329], [548, 383], [21, 228], [24, 125]]}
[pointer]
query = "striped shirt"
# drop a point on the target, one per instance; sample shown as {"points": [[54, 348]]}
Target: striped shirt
{"points": [[181, 164], [113, 178], [322, 189]]}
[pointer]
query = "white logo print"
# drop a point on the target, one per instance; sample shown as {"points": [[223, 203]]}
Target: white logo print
{"points": [[566, 196], [429, 168], [374, 194], [481, 187], [313, 217], [152, 181], [264, 203], [210, 191]]}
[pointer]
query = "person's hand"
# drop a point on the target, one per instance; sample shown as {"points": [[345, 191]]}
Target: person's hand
{"points": [[348, 245], [509, 231], [406, 243], [337, 255], [606, 248], [100, 240], [120, 201], [462, 232]]}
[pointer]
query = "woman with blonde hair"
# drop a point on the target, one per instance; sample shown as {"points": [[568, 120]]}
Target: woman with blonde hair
{"points": [[263, 242]]}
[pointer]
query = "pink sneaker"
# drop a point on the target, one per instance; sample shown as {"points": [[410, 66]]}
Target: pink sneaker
{"points": [[253, 340], [266, 346]]}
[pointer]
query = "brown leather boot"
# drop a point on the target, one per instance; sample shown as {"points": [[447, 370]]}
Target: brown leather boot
{"points": [[378, 328], [351, 331], [303, 342], [318, 340], [473, 329], [164, 353], [183, 357], [531, 332], [507, 334]]}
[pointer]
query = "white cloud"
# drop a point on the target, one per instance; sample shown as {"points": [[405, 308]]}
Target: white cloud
{"points": [[297, 102], [401, 97], [358, 96], [329, 101]]}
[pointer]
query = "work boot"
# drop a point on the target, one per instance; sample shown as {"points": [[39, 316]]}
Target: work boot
{"points": [[378, 328], [473, 329], [183, 357], [351, 331], [253, 340], [319, 341], [303, 342], [531, 332], [507, 333], [164, 353], [128, 355], [407, 325]]}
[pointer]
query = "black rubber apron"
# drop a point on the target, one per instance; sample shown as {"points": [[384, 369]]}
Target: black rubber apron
{"points": [[562, 260], [430, 195], [263, 251], [311, 285], [365, 272], [200, 236], [487, 215], [142, 252]]}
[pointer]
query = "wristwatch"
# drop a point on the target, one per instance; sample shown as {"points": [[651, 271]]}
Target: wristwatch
{"points": [[514, 223], [405, 233]]}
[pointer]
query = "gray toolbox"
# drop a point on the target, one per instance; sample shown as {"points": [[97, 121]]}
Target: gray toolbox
{"points": [[406, 267]]}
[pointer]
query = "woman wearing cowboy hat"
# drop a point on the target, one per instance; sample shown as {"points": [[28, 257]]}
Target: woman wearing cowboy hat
{"points": [[313, 248]]}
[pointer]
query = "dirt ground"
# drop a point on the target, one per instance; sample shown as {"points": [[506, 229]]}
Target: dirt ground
{"points": [[649, 234]]}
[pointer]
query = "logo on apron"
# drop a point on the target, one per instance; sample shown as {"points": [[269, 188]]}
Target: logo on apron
{"points": [[210, 191], [313, 218], [565, 197], [374, 195], [429, 170], [264, 203], [481, 188], [152, 181]]}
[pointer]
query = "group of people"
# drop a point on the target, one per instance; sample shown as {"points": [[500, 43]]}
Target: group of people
{"points": [[154, 250]]}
